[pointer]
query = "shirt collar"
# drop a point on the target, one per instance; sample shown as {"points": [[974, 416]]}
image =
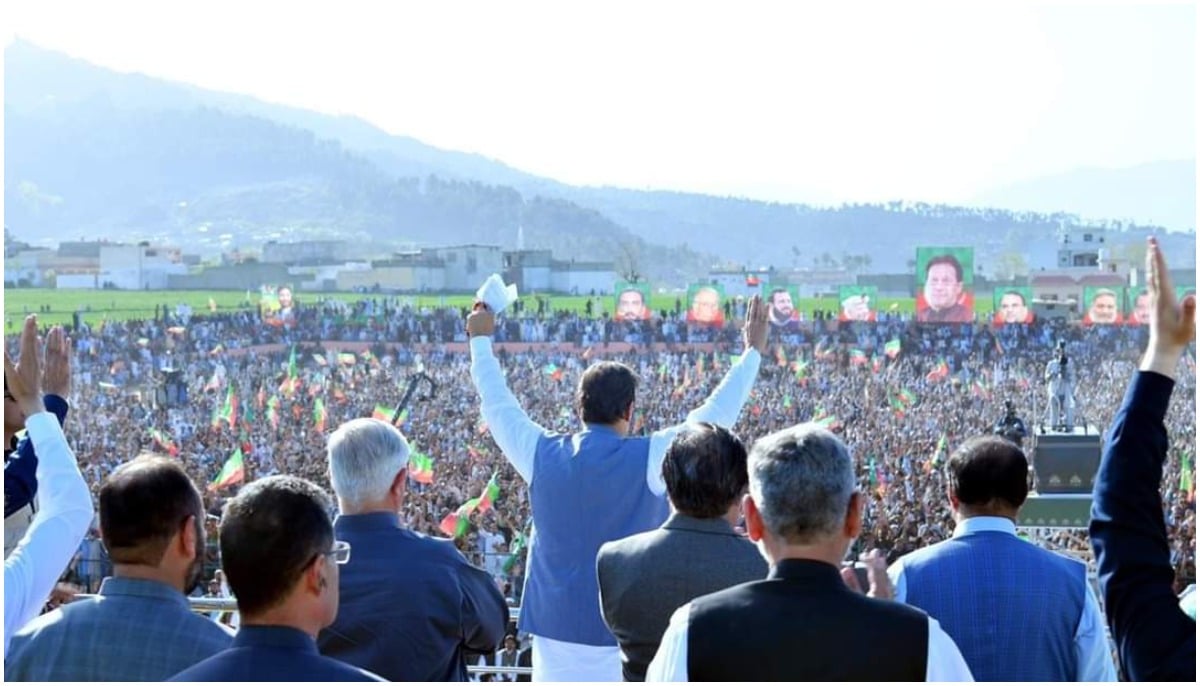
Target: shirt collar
{"points": [[975, 525], [285, 637], [143, 588], [713, 525], [368, 521], [814, 572]]}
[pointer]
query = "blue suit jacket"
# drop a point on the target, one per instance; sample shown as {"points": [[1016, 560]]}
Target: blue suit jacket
{"points": [[410, 604], [272, 653], [1156, 640], [20, 466]]}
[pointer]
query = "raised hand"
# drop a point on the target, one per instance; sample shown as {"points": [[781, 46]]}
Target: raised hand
{"points": [[24, 379], [1172, 324], [56, 377], [481, 321], [754, 330], [881, 585]]}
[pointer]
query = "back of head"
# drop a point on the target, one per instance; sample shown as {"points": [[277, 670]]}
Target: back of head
{"points": [[705, 470], [143, 504], [270, 533], [606, 392], [365, 455], [989, 475], [802, 480]]}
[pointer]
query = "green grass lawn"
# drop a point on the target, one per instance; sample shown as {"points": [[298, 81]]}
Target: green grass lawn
{"points": [[123, 305]]}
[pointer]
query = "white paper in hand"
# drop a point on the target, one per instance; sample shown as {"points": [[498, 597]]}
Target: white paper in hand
{"points": [[496, 294]]}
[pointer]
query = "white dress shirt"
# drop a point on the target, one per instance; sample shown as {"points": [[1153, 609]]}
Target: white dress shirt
{"points": [[943, 661], [1091, 643], [57, 529], [517, 436]]}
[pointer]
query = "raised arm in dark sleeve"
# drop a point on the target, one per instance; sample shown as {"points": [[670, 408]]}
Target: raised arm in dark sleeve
{"points": [[20, 470], [484, 611], [1155, 640]]}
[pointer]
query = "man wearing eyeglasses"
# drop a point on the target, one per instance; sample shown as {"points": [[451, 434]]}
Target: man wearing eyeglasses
{"points": [[281, 560], [20, 459], [140, 627]]}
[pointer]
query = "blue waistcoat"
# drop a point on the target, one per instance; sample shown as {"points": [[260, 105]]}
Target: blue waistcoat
{"points": [[1012, 608], [588, 489]]}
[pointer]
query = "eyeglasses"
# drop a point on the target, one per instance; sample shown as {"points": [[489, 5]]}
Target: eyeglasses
{"points": [[340, 552]]}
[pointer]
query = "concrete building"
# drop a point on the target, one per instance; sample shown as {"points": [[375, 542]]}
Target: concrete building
{"points": [[529, 270], [26, 268], [238, 277], [139, 267], [466, 266], [412, 272], [307, 252], [582, 278]]}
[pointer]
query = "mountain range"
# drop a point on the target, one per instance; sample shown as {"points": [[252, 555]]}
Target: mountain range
{"points": [[94, 152]]}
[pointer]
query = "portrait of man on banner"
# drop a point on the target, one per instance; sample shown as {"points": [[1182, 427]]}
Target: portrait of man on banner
{"points": [[857, 303], [277, 305], [1101, 306], [632, 301], [781, 302], [1013, 305], [945, 283], [705, 305]]}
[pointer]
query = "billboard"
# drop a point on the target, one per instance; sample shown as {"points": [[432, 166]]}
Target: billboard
{"points": [[1102, 305], [632, 301], [277, 305], [1012, 305], [945, 284], [1137, 305], [704, 304], [781, 300], [857, 303]]}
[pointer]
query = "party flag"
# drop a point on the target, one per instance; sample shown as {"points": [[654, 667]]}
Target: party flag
{"points": [[233, 472]]}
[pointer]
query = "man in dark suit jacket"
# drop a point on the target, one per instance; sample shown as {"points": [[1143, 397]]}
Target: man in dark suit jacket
{"points": [[803, 622], [645, 577], [281, 560], [411, 605], [1156, 640]]}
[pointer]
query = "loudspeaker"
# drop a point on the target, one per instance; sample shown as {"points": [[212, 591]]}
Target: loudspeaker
{"points": [[1066, 462]]}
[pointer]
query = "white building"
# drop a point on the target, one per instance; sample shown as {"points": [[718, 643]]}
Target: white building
{"points": [[582, 278], [138, 267], [28, 267]]}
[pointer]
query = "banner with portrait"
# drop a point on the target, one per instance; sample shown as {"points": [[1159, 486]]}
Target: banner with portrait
{"points": [[945, 289], [1012, 305], [857, 303], [783, 301], [632, 301], [1102, 305], [277, 304], [704, 304]]}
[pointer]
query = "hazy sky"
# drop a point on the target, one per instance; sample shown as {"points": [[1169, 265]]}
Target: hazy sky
{"points": [[862, 101]]}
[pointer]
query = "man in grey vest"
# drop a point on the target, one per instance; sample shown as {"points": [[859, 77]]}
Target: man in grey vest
{"points": [[645, 577], [588, 488], [803, 623]]}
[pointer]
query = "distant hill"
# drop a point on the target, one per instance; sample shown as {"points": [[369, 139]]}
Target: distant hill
{"points": [[90, 151]]}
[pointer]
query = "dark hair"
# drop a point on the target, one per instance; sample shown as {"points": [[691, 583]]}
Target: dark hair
{"points": [[945, 259], [705, 470], [270, 533], [775, 292], [606, 391], [986, 469], [143, 504], [1016, 293], [641, 296]]}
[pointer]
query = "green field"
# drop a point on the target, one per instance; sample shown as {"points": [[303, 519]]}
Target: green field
{"points": [[97, 306]]}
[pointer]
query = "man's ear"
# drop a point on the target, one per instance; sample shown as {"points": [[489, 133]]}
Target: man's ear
{"points": [[400, 483], [188, 541], [754, 521], [315, 578], [854, 516]]}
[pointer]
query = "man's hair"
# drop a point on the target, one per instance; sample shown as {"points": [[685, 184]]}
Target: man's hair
{"points": [[945, 259], [364, 457], [1016, 293], [705, 470], [775, 292], [143, 504], [605, 392], [635, 291], [1102, 292], [271, 532], [988, 470], [801, 479]]}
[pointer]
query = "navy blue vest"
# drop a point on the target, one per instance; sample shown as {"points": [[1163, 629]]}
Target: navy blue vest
{"points": [[588, 489], [1011, 607]]}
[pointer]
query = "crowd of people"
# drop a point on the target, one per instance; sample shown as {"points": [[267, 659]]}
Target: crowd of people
{"points": [[899, 393]]}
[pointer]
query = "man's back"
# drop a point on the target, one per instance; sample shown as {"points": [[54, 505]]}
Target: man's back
{"points": [[645, 578], [136, 631], [410, 604], [1012, 608], [273, 653]]}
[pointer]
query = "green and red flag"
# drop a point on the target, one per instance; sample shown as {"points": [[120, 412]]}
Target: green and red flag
{"points": [[226, 412], [490, 493], [1187, 482], [892, 348], [273, 411], [233, 472], [420, 467], [383, 413], [876, 363], [938, 451], [781, 356], [319, 415], [518, 547], [457, 523], [164, 441], [940, 371], [857, 357], [980, 390]]}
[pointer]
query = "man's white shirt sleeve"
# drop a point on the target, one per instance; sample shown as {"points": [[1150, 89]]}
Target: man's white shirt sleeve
{"points": [[33, 568], [513, 430], [722, 408], [944, 661]]}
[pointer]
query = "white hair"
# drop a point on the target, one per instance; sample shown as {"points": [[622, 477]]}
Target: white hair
{"points": [[801, 479], [364, 457]]}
